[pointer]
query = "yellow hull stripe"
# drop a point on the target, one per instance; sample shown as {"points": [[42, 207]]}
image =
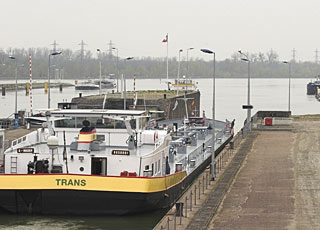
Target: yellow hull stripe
{"points": [[90, 183]]}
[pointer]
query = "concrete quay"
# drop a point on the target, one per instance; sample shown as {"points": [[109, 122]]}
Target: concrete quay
{"points": [[195, 198], [274, 173]]}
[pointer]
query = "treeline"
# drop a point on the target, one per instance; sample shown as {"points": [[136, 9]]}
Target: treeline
{"points": [[77, 65]]}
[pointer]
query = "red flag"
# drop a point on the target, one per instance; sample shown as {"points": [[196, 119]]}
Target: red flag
{"points": [[166, 39]]}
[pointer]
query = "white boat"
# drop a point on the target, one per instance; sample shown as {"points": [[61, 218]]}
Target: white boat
{"points": [[106, 83], [87, 86], [88, 162]]}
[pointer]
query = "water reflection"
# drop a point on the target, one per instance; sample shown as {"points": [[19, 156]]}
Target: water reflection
{"points": [[136, 222]]}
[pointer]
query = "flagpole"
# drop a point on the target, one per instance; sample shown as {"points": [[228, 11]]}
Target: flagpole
{"points": [[168, 61]]}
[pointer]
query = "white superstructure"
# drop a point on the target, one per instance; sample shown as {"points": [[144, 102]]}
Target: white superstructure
{"points": [[112, 143]]}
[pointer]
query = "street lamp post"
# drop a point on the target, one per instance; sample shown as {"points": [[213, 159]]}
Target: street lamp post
{"points": [[178, 77], [98, 50], [188, 61], [114, 48], [213, 169], [179, 65], [246, 59], [51, 54], [125, 87], [16, 80], [289, 65]]}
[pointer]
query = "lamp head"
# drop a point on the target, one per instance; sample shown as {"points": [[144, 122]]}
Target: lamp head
{"points": [[240, 52], [180, 50], [285, 62], [244, 59], [56, 53], [12, 57], [207, 51], [98, 50]]}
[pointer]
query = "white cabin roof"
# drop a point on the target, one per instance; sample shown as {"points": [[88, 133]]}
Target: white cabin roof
{"points": [[97, 113]]}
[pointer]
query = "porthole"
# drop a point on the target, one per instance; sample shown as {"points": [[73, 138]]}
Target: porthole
{"points": [[81, 169]]}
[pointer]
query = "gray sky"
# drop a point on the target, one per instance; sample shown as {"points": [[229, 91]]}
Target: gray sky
{"points": [[137, 27]]}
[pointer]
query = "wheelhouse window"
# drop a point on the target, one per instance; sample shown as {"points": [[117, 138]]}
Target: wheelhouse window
{"points": [[65, 123], [106, 123]]}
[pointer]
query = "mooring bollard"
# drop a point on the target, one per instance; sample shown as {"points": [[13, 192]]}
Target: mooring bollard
{"points": [[222, 161], [179, 208], [175, 220], [161, 227], [186, 202], [181, 204], [215, 162], [199, 188], [168, 223], [191, 200], [195, 194], [203, 185], [215, 166], [206, 180]]}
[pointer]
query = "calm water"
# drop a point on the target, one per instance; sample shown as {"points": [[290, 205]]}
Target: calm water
{"points": [[145, 221], [231, 94]]}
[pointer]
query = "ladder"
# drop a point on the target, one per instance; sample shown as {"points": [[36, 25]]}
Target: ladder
{"points": [[14, 165]]}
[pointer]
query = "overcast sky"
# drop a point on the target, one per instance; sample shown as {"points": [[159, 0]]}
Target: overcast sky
{"points": [[137, 27]]}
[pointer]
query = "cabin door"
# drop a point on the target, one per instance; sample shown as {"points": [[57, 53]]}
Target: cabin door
{"points": [[99, 166]]}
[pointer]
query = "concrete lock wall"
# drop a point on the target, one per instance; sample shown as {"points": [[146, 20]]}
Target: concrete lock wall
{"points": [[173, 107]]}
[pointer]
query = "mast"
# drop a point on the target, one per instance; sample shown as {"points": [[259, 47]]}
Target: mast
{"points": [[168, 61], [185, 99]]}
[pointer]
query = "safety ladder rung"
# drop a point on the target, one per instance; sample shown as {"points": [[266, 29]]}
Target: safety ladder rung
{"points": [[14, 164]]}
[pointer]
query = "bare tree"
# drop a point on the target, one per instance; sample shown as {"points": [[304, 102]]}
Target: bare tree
{"points": [[272, 56]]}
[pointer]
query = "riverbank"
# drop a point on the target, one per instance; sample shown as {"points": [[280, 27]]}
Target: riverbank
{"points": [[23, 86]]}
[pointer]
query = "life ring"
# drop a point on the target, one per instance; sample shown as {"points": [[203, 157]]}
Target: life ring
{"points": [[155, 136]]}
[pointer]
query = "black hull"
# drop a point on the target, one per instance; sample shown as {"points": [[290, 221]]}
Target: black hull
{"points": [[86, 88], [80, 202], [73, 202]]}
